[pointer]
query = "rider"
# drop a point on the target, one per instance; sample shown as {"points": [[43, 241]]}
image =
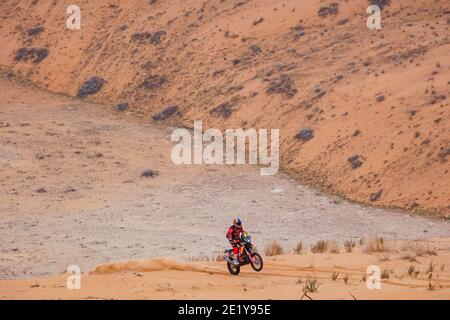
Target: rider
{"points": [[234, 236]]}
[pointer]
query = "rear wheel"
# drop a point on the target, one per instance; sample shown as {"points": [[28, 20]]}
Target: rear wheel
{"points": [[234, 270], [257, 263]]}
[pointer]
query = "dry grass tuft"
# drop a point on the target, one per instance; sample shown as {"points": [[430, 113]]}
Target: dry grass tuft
{"points": [[349, 245], [333, 247], [364, 277], [431, 267], [298, 248], [274, 248], [433, 285], [375, 244], [386, 274], [346, 279], [311, 285], [413, 272], [334, 275], [319, 247], [421, 248]]}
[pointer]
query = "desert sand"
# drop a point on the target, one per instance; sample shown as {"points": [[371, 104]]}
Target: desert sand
{"points": [[74, 193], [283, 277], [85, 171], [379, 97]]}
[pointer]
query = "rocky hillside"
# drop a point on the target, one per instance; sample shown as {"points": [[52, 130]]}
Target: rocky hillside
{"points": [[362, 113]]}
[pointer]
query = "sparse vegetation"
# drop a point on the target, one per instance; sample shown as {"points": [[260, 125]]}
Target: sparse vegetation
{"points": [[298, 248], [412, 271], [319, 247], [409, 257], [333, 247], [422, 248], [349, 245], [364, 277], [311, 285], [431, 267], [346, 278], [431, 285], [386, 274], [274, 248], [375, 244], [334, 275]]}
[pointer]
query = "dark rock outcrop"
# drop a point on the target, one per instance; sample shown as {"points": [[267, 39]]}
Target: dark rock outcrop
{"points": [[166, 113], [91, 86], [34, 55], [305, 134]]}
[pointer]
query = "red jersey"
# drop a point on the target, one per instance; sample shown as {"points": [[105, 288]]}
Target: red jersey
{"points": [[234, 233]]}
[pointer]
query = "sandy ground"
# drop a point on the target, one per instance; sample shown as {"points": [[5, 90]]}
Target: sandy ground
{"points": [[283, 277], [71, 184], [73, 194], [381, 95]]}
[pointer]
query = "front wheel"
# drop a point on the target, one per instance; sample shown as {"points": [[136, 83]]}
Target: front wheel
{"points": [[257, 262], [234, 270]]}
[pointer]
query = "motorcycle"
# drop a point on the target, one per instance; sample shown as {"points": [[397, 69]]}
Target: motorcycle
{"points": [[247, 256]]}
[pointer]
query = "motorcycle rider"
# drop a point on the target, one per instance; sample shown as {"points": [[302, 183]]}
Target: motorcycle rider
{"points": [[234, 234]]}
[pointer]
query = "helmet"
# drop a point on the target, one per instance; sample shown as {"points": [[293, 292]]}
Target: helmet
{"points": [[237, 222]]}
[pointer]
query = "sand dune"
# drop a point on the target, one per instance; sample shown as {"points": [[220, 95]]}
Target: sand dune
{"points": [[377, 101], [87, 180], [283, 277], [75, 194]]}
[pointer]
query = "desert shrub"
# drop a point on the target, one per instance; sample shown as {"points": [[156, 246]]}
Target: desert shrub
{"points": [[410, 257], [375, 244], [349, 245], [386, 274], [431, 267], [421, 248], [334, 275], [299, 247], [311, 285], [319, 247], [412, 271], [431, 285], [333, 247], [274, 248], [346, 278], [364, 277]]}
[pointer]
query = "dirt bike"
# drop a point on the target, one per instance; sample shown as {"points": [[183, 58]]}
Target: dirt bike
{"points": [[247, 256]]}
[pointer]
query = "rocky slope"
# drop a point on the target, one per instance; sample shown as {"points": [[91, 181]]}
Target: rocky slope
{"points": [[362, 113]]}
